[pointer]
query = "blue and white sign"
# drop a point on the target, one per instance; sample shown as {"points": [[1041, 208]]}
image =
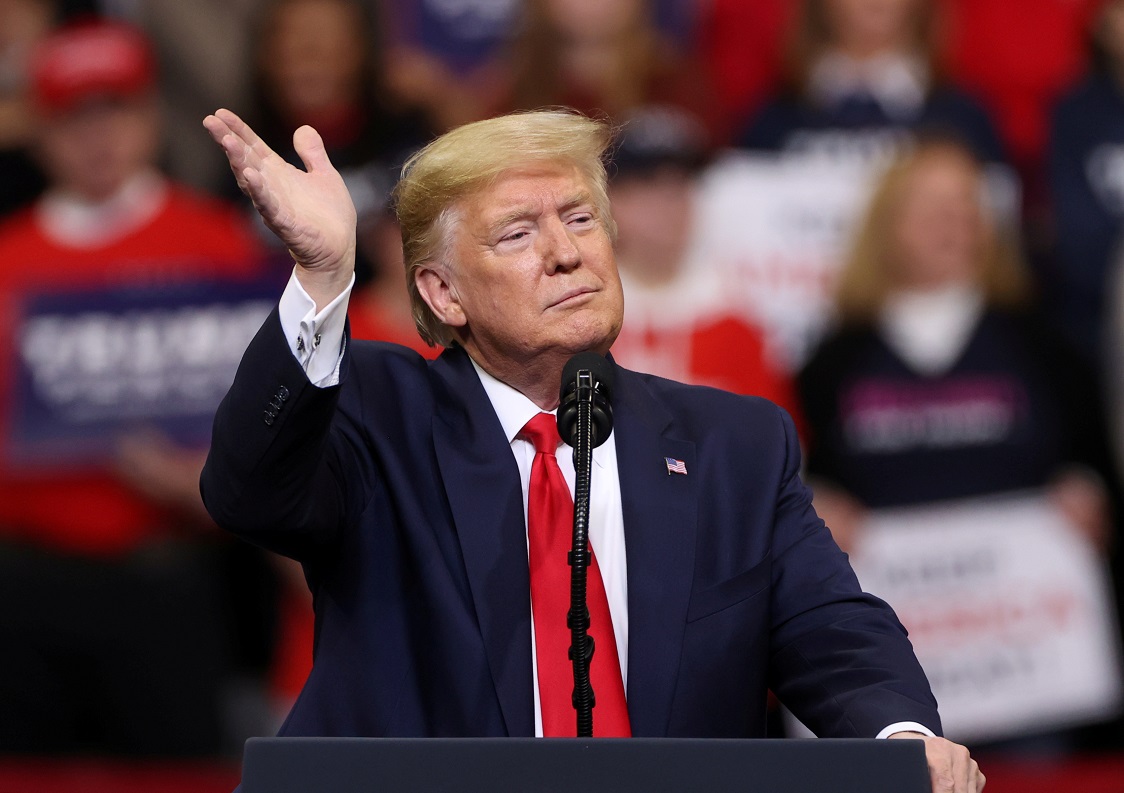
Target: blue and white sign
{"points": [[90, 365]]}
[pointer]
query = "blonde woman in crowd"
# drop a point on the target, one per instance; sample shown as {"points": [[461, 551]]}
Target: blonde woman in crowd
{"points": [[938, 383]]}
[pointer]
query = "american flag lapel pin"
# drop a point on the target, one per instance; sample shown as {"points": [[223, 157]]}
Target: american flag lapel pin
{"points": [[675, 466]]}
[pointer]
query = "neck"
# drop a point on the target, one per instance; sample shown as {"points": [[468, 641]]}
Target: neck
{"points": [[74, 218], [539, 378]]}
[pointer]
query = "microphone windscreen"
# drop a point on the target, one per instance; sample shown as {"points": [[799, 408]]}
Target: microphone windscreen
{"points": [[597, 365]]}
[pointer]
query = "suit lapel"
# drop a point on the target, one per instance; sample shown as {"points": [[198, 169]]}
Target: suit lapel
{"points": [[482, 483], [660, 511]]}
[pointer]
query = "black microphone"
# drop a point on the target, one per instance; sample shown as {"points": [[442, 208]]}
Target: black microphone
{"points": [[585, 419], [587, 376]]}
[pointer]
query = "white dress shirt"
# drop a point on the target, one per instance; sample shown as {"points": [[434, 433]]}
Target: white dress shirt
{"points": [[316, 339], [606, 518]]}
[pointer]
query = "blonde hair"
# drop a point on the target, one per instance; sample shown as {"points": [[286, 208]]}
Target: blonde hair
{"points": [[470, 158], [869, 276]]}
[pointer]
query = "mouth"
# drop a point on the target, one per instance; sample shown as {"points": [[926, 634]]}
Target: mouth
{"points": [[573, 296]]}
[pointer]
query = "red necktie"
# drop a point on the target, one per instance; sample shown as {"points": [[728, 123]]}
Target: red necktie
{"points": [[550, 521]]}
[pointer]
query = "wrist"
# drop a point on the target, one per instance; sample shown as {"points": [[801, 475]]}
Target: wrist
{"points": [[326, 282], [905, 729]]}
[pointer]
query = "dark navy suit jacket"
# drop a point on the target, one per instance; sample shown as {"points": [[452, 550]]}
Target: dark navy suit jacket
{"points": [[399, 493]]}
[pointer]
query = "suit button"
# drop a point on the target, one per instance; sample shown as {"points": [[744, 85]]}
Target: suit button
{"points": [[282, 393], [275, 403], [269, 417]]}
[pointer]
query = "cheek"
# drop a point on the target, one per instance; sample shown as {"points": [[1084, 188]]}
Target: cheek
{"points": [[496, 294]]}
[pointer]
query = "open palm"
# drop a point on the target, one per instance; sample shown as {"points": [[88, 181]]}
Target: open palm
{"points": [[310, 211]]}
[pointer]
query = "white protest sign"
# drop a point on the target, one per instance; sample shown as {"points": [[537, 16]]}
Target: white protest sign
{"points": [[1008, 608], [776, 230]]}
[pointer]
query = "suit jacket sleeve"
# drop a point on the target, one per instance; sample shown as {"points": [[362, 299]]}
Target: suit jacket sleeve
{"points": [[278, 473], [840, 659]]}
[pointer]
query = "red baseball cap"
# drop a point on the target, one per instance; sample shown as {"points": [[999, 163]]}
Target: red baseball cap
{"points": [[87, 60]]}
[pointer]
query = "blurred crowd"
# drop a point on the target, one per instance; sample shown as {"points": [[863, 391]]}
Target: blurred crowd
{"points": [[961, 335]]}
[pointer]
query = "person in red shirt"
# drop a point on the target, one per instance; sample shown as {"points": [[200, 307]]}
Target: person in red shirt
{"points": [[680, 322], [109, 580]]}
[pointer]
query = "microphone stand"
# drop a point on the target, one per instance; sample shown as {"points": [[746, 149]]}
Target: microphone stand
{"points": [[577, 620]]}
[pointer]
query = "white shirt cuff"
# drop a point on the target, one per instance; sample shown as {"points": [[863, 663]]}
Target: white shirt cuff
{"points": [[905, 726], [315, 339]]}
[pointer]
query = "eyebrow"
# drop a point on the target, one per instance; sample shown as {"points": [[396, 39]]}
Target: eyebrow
{"points": [[526, 211]]}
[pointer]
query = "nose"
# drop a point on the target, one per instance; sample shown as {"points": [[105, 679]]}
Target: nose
{"points": [[560, 249]]}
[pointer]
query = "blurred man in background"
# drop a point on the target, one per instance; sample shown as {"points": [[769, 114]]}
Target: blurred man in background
{"points": [[110, 583], [681, 321]]}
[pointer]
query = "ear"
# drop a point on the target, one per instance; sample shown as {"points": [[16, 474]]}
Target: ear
{"points": [[440, 295]]}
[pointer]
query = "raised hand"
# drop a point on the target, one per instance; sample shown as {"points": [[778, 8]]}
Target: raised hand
{"points": [[310, 211]]}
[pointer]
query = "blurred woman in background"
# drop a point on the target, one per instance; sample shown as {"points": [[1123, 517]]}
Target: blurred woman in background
{"points": [[862, 76], [939, 384], [317, 63], [602, 57]]}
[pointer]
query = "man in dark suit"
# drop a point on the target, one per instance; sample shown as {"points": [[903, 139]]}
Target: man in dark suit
{"points": [[408, 488]]}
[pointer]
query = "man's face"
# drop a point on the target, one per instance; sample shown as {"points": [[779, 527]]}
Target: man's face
{"points": [[531, 269], [93, 149], [653, 214]]}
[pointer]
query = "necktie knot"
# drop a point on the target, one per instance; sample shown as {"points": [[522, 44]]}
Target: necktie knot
{"points": [[542, 432]]}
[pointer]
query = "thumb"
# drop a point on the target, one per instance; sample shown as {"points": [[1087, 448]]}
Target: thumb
{"points": [[310, 146]]}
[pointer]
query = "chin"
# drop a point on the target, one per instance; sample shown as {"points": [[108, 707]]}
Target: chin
{"points": [[598, 338]]}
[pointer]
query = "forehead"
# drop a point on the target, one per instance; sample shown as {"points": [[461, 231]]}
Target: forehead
{"points": [[537, 186], [96, 109], [943, 173]]}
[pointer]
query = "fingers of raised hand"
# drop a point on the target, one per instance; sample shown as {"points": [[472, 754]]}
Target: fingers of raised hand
{"points": [[216, 127], [238, 154], [243, 148], [236, 125], [244, 133], [265, 200]]}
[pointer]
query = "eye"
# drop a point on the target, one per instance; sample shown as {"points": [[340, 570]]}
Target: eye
{"points": [[582, 219], [515, 235]]}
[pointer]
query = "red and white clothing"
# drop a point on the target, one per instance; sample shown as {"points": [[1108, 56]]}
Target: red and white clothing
{"points": [[150, 233], [684, 330]]}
